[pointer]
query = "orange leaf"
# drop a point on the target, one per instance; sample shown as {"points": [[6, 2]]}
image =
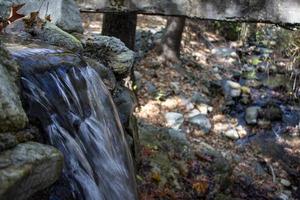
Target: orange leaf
{"points": [[14, 15], [201, 187]]}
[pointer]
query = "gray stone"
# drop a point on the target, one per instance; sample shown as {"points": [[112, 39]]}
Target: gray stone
{"points": [[64, 13], [7, 141], [12, 115], [231, 88], [150, 87], [52, 34], [200, 98], [174, 120], [28, 168], [224, 52], [232, 134], [202, 122], [125, 102], [285, 182], [251, 114], [110, 51]]}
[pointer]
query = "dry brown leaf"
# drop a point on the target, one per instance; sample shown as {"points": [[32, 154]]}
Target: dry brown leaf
{"points": [[200, 186], [48, 18], [14, 15]]}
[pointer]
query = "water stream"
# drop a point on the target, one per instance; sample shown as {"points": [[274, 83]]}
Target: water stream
{"points": [[76, 112]]}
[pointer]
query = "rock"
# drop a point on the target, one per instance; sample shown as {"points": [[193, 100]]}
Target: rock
{"points": [[193, 113], [271, 112], [12, 115], [110, 51], [232, 134], [224, 52], [150, 87], [175, 87], [202, 122], [200, 98], [105, 73], [174, 120], [125, 102], [251, 114], [285, 182], [231, 88], [204, 108], [28, 168], [178, 135], [64, 13], [7, 140], [52, 34], [138, 79]]}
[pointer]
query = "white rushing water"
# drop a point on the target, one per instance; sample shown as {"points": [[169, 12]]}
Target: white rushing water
{"points": [[78, 116]]}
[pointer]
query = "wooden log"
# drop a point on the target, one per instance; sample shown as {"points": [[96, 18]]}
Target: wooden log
{"points": [[268, 11]]}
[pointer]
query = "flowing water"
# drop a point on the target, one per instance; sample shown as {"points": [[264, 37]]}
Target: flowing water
{"points": [[76, 112]]}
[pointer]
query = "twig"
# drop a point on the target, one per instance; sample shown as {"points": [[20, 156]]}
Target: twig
{"points": [[272, 171]]}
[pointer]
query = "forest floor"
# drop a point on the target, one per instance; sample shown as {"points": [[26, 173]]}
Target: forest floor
{"points": [[223, 125]]}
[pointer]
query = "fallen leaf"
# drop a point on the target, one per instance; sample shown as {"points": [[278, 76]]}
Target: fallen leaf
{"points": [[14, 15], [200, 186]]}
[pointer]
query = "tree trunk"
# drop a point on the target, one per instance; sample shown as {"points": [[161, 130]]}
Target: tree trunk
{"points": [[171, 41], [122, 26]]}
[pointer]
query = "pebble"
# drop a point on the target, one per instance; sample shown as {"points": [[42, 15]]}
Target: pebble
{"points": [[285, 182], [232, 134], [202, 122], [174, 120]]}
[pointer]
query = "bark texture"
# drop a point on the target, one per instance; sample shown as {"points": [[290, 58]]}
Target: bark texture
{"points": [[122, 26], [272, 11], [171, 41]]}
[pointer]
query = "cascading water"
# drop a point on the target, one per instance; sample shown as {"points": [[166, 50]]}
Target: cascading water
{"points": [[78, 116]]}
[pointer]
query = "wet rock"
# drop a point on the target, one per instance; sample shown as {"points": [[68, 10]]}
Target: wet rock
{"points": [[110, 51], [64, 13], [12, 115], [251, 114], [231, 88], [105, 73], [125, 101], [174, 120], [28, 168], [7, 141], [202, 122], [232, 134]]}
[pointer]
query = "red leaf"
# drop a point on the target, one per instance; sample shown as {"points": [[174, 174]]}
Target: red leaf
{"points": [[14, 15]]}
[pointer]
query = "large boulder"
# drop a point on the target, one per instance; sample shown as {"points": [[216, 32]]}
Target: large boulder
{"points": [[12, 115], [64, 13], [111, 51], [28, 168]]}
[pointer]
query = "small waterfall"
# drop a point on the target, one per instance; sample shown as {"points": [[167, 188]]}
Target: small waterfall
{"points": [[78, 116]]}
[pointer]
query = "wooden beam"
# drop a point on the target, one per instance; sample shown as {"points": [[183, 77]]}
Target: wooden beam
{"points": [[269, 11]]}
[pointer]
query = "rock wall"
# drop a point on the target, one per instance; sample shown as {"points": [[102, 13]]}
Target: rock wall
{"points": [[12, 115]]}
